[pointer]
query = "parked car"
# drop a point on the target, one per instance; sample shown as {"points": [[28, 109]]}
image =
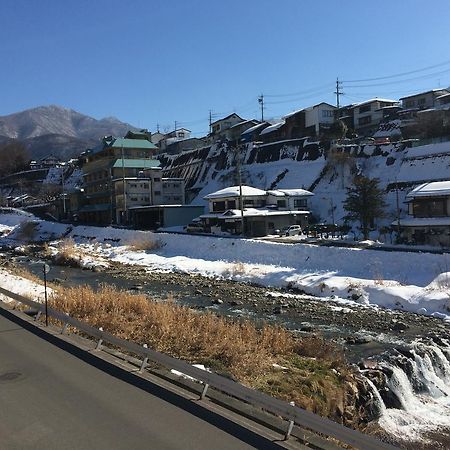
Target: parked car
{"points": [[194, 227], [292, 230]]}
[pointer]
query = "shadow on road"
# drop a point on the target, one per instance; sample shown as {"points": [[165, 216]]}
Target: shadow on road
{"points": [[238, 431]]}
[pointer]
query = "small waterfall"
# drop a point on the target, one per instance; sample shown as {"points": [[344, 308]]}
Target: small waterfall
{"points": [[416, 396]]}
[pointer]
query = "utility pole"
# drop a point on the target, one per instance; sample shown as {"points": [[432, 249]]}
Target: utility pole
{"points": [[261, 102], [175, 128], [398, 211], [210, 121], [157, 127], [338, 93], [63, 192], [124, 190], [241, 202]]}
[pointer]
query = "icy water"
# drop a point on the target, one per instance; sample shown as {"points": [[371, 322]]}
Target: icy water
{"points": [[413, 396]]}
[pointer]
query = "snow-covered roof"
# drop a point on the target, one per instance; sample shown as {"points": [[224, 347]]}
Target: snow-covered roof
{"points": [[423, 221], [372, 100], [236, 125], [234, 191], [273, 127], [290, 193], [442, 96], [254, 128], [432, 189], [252, 212], [424, 93]]}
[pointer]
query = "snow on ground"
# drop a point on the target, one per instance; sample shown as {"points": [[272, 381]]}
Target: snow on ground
{"points": [[417, 282], [21, 286]]}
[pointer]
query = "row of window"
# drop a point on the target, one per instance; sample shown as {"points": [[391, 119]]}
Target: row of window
{"points": [[430, 208]]}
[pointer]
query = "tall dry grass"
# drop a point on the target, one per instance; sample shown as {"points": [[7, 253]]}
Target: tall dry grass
{"points": [[67, 253], [147, 243], [240, 349]]}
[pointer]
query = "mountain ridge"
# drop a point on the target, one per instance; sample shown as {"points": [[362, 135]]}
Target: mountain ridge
{"points": [[61, 131]]}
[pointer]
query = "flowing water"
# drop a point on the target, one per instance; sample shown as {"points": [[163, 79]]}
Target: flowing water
{"points": [[415, 398], [409, 378]]}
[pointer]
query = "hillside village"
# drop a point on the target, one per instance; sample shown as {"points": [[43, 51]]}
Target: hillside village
{"points": [[257, 178]]}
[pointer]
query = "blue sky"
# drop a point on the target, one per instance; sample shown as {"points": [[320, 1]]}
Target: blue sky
{"points": [[149, 62]]}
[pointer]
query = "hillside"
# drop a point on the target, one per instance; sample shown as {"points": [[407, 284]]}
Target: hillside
{"points": [[57, 130], [306, 164]]}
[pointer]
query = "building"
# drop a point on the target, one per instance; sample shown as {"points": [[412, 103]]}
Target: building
{"points": [[423, 100], [262, 212], [109, 171], [319, 118], [428, 220], [368, 115], [180, 134], [234, 133], [219, 127]]}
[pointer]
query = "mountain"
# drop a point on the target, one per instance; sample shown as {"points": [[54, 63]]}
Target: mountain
{"points": [[57, 130]]}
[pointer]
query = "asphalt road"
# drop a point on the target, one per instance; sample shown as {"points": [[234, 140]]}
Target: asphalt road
{"points": [[53, 396]]}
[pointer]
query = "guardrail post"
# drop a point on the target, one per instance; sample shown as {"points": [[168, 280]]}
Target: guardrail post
{"points": [[290, 426], [100, 341], [203, 394], [38, 316], [65, 326], [144, 362]]}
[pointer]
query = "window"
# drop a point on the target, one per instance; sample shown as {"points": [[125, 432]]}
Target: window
{"points": [[218, 206], [409, 103], [133, 199], [300, 203], [364, 120], [421, 101], [281, 203], [430, 208], [156, 180], [327, 113], [157, 192], [364, 109], [248, 202], [145, 185], [231, 204]]}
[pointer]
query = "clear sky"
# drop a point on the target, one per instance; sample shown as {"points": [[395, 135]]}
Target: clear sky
{"points": [[157, 61]]}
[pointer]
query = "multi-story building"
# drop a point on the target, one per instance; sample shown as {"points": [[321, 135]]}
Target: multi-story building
{"points": [[108, 172], [368, 115], [428, 220]]}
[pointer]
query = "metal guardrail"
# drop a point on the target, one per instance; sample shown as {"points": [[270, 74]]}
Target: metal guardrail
{"points": [[288, 411]]}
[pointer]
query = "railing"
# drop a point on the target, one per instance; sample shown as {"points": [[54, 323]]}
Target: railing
{"points": [[288, 411]]}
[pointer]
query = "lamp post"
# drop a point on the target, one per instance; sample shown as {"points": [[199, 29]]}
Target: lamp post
{"points": [[46, 270]]}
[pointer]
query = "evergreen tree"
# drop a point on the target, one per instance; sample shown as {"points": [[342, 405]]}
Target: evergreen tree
{"points": [[365, 202]]}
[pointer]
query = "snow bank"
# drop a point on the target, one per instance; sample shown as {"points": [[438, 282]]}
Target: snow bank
{"points": [[415, 282], [21, 286]]}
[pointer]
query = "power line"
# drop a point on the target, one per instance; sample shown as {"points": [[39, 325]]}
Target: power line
{"points": [[406, 80], [399, 74], [300, 93]]}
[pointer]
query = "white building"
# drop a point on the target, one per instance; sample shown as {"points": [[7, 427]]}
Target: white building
{"points": [[428, 220], [319, 117], [262, 212]]}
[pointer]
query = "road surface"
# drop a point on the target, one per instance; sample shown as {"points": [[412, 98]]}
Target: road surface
{"points": [[64, 398]]}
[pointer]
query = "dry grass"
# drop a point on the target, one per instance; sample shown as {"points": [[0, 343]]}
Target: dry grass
{"points": [[67, 253], [144, 243], [239, 349]]}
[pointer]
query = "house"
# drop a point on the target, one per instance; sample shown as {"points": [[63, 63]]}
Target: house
{"points": [[175, 146], [368, 114], [319, 118], [252, 134], [423, 100], [233, 134], [139, 134], [274, 133], [109, 173], [219, 127], [428, 220], [260, 213], [177, 135]]}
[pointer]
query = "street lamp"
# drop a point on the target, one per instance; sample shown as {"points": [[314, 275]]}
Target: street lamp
{"points": [[46, 270]]}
